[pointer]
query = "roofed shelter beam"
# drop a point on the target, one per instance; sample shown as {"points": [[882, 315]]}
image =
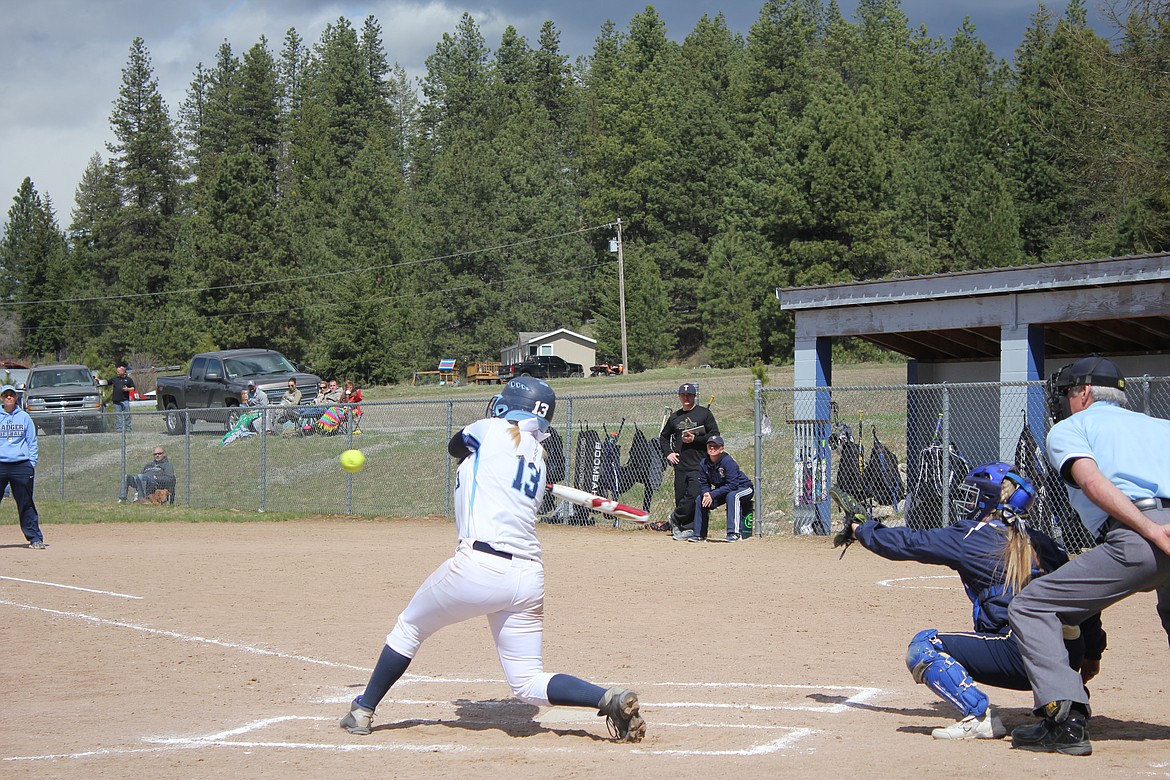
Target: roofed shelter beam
{"points": [[1021, 359]]}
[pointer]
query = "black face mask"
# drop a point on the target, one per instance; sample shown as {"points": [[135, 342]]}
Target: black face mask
{"points": [[1066, 379], [1057, 389]]}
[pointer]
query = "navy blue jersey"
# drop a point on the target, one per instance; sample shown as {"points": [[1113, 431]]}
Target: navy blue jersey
{"points": [[974, 550], [722, 477]]}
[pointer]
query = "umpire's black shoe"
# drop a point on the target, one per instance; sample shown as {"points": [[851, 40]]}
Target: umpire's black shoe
{"points": [[1065, 729]]}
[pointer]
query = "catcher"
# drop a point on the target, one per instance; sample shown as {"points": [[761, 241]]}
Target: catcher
{"points": [[995, 555]]}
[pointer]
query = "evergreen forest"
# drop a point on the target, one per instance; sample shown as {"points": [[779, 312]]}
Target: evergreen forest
{"points": [[308, 197]]}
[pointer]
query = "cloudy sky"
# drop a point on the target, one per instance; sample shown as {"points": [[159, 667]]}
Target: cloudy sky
{"points": [[61, 60]]}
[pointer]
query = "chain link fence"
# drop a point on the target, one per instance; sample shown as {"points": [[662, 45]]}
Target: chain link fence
{"points": [[901, 449]]}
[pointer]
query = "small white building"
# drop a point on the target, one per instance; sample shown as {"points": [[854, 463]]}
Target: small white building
{"points": [[571, 347]]}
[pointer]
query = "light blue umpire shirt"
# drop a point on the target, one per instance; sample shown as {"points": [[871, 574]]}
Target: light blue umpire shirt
{"points": [[1131, 449]]}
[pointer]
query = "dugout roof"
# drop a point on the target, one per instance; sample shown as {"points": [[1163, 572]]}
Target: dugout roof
{"points": [[1113, 306]]}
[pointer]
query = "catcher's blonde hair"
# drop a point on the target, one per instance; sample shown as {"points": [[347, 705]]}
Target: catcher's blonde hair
{"points": [[1018, 557]]}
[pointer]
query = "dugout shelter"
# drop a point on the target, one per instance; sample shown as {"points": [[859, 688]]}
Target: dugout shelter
{"points": [[999, 325]]}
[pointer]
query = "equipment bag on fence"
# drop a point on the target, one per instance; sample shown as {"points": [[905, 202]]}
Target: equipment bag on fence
{"points": [[924, 504], [554, 457], [849, 475], [586, 472], [645, 464], [881, 479]]}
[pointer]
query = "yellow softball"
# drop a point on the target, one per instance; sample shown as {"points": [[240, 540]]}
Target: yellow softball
{"points": [[352, 461]]}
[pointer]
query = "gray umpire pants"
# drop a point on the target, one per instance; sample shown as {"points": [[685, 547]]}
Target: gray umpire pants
{"points": [[1123, 564]]}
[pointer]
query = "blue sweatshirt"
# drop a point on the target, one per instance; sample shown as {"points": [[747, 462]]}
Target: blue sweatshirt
{"points": [[722, 477], [18, 437]]}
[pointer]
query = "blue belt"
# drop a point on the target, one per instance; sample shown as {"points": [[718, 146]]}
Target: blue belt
{"points": [[487, 548], [1145, 504]]}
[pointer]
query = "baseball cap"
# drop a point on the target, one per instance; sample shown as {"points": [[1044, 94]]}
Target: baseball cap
{"points": [[688, 389], [7, 388], [715, 440], [1092, 370], [251, 383]]}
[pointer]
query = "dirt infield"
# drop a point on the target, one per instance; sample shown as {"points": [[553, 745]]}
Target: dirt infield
{"points": [[230, 650]]}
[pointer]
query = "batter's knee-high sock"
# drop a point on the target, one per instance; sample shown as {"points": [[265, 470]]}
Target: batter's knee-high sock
{"points": [[389, 668], [573, 691]]}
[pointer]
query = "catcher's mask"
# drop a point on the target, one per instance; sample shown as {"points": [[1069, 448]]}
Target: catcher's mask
{"points": [[982, 492], [522, 398], [1092, 370]]}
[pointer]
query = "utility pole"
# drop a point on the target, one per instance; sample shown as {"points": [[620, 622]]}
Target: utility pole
{"points": [[622, 298]]}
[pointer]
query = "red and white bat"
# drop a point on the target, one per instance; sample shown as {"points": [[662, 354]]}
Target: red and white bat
{"points": [[599, 504]]}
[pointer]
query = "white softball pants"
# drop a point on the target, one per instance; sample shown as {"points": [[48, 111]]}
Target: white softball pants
{"points": [[473, 583]]}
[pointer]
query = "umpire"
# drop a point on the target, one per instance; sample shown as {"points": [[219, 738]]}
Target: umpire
{"points": [[18, 462], [684, 443], [1116, 466]]}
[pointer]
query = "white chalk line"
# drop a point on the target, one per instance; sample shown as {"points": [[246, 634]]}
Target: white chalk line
{"points": [[72, 587], [183, 637], [897, 582], [223, 739], [220, 739], [783, 743]]}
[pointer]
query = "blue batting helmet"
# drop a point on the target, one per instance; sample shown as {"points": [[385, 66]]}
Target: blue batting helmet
{"points": [[524, 398]]}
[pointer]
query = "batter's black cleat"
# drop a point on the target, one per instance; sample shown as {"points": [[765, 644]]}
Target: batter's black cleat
{"points": [[1065, 729], [620, 708]]}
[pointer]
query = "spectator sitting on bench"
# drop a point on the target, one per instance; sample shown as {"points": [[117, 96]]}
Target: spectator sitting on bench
{"points": [[158, 474]]}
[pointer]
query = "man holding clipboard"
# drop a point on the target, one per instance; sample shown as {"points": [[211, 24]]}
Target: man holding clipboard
{"points": [[684, 443]]}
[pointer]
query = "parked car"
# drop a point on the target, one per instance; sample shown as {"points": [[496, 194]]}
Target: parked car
{"points": [[542, 367], [212, 387], [63, 394]]}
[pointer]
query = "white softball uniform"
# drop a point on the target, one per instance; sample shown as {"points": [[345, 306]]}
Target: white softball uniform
{"points": [[498, 489]]}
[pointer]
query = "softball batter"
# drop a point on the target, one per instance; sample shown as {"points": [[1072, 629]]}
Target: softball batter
{"points": [[496, 570]]}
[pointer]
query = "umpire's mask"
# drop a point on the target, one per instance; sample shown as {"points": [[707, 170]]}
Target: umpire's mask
{"points": [[1092, 370]]}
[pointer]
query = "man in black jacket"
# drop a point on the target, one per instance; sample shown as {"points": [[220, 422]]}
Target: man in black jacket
{"points": [[120, 387], [684, 443]]}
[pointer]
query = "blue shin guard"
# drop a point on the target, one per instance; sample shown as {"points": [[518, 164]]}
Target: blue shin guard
{"points": [[930, 664]]}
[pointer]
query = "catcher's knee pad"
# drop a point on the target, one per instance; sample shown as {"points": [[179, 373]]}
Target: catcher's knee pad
{"points": [[931, 665]]}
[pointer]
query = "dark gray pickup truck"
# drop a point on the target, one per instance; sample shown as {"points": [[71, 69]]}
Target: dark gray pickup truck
{"points": [[215, 381]]}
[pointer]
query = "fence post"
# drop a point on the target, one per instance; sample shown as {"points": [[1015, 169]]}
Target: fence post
{"points": [[187, 447], [569, 448], [448, 498], [946, 456], [758, 427], [61, 420], [122, 479], [348, 475], [263, 458]]}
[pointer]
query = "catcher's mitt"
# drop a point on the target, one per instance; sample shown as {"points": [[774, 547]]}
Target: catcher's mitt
{"points": [[853, 512]]}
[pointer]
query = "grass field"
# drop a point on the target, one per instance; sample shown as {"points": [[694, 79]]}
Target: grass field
{"points": [[301, 475]]}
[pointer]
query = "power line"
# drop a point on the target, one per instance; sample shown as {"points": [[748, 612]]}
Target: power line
{"points": [[321, 304]]}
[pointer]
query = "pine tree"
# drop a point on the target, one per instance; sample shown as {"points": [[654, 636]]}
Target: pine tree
{"points": [[33, 256], [146, 161]]}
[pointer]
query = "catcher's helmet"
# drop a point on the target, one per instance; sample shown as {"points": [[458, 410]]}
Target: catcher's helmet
{"points": [[982, 492], [525, 398]]}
